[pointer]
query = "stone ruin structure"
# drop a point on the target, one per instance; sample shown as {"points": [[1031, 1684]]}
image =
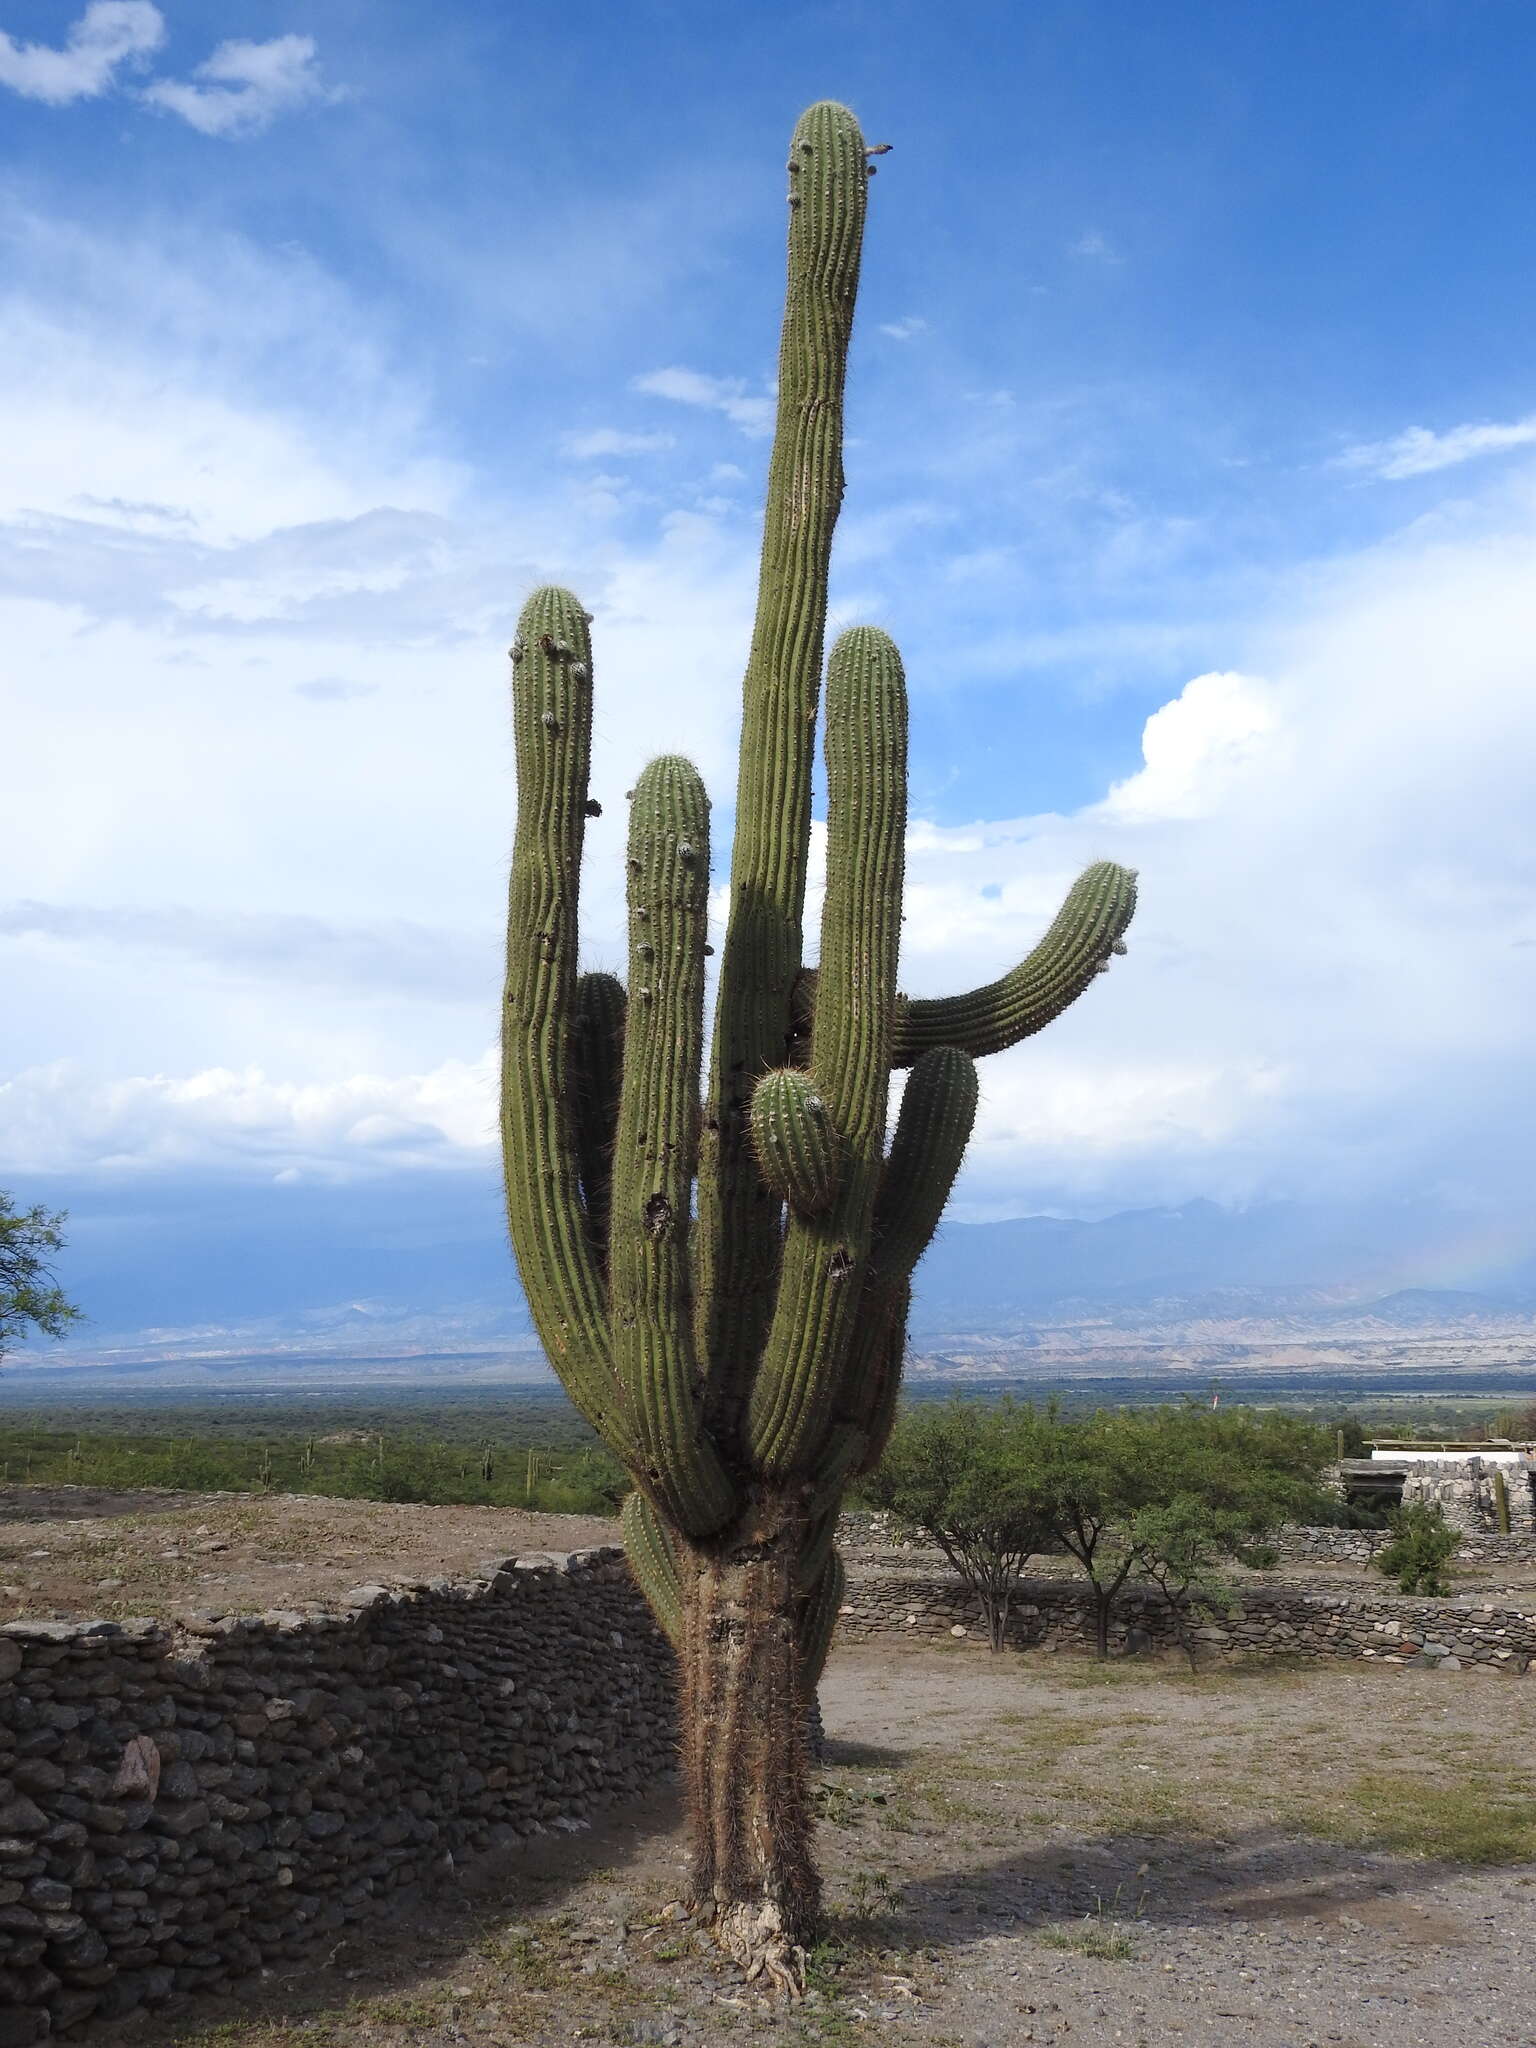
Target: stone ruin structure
{"points": [[1459, 1479]]}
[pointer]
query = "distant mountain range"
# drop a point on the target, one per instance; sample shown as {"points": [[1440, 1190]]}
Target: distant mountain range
{"points": [[230, 1278]]}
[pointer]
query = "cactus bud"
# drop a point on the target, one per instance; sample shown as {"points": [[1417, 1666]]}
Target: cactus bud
{"points": [[797, 1148]]}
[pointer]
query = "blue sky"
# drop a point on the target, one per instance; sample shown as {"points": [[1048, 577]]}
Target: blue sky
{"points": [[1192, 449]]}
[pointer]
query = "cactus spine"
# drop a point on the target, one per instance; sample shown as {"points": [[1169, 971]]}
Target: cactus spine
{"points": [[745, 1363]]}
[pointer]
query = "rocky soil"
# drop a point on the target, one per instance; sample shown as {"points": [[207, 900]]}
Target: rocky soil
{"points": [[1028, 1849]]}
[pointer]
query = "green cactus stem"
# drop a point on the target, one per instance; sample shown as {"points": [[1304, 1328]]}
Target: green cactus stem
{"points": [[656, 1148], [552, 728], [822, 1268], [737, 1240], [1086, 933], [652, 1550], [1500, 1502], [724, 1291]]}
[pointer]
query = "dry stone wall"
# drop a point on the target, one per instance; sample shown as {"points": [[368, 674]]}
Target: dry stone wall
{"points": [[1359, 1546], [1055, 1614], [179, 1807]]}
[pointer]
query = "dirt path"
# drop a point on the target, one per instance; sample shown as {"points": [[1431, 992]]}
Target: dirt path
{"points": [[1030, 1849]]}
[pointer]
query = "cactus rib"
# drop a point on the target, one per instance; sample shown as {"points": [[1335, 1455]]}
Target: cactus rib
{"points": [[597, 1052]]}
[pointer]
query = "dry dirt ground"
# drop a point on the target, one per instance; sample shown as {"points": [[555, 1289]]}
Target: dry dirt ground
{"points": [[70, 1550], [1026, 1849]]}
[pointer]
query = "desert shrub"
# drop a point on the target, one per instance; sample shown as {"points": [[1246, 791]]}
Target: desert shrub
{"points": [[1423, 1544]]}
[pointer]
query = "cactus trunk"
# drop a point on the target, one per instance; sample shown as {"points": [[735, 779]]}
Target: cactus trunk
{"points": [[723, 1284], [744, 1743]]}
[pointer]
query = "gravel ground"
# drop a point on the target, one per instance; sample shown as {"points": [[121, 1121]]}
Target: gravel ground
{"points": [[1026, 1849]]}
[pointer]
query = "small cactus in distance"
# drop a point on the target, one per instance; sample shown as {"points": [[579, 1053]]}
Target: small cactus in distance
{"points": [[722, 1285]]}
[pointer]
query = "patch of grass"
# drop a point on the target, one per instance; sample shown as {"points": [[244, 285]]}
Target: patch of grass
{"points": [[844, 1805], [1485, 1819], [1133, 1803], [1104, 1945]]}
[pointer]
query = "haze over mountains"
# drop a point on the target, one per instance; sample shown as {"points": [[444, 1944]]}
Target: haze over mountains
{"points": [[252, 1283]]}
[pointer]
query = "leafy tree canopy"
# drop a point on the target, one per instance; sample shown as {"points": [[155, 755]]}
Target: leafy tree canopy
{"points": [[29, 1297]]}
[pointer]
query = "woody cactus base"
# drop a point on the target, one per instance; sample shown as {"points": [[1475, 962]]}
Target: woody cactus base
{"points": [[723, 1289]]}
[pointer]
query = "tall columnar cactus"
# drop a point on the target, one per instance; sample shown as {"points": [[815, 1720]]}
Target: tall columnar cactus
{"points": [[723, 1287]]}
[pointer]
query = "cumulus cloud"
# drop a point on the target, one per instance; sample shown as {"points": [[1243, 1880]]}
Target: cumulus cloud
{"points": [[111, 36], [728, 395], [904, 329], [1330, 974], [610, 441], [1196, 750], [1417, 451], [244, 86]]}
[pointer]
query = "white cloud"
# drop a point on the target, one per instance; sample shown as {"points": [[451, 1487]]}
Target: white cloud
{"points": [[904, 329], [1196, 750], [60, 1120], [110, 36], [1331, 972], [244, 86], [1418, 452], [728, 395], [611, 441], [333, 690], [1097, 247]]}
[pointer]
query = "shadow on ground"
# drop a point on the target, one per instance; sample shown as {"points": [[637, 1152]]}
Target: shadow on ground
{"points": [[1263, 1875]]}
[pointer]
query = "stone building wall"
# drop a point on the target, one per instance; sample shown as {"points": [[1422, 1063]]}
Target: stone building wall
{"points": [[180, 1807], [1463, 1491], [1055, 1614]]}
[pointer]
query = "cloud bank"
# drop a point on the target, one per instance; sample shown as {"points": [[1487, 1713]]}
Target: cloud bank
{"points": [[240, 90]]}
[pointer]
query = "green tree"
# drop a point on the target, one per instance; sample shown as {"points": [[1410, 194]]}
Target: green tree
{"points": [[1221, 1483], [29, 1295], [722, 1283], [957, 1474], [1423, 1544]]}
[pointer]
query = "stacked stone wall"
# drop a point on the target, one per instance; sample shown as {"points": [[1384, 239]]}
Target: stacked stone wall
{"points": [[1359, 1546], [181, 1806], [1264, 1621]]}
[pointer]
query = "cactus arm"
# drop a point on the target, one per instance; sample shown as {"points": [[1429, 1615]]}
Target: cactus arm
{"points": [[597, 1046], [552, 724], [824, 1258], [938, 1111], [657, 1146], [1086, 931], [651, 1550], [880, 1392], [817, 1620], [737, 1241]]}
